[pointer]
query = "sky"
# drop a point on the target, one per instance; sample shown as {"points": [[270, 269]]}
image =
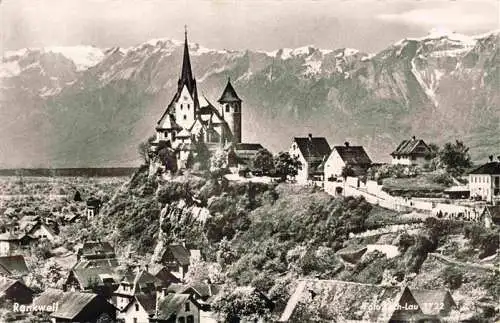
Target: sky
{"points": [[367, 25]]}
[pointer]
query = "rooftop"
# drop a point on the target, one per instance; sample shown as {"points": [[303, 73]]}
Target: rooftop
{"points": [[313, 146], [412, 146], [491, 168]]}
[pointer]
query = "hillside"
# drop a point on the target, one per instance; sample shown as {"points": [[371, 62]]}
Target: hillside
{"points": [[83, 107], [266, 236]]}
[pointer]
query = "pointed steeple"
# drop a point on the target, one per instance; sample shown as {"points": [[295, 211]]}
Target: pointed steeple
{"points": [[186, 73], [229, 94]]}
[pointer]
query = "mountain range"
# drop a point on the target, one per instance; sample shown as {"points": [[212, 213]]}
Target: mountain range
{"points": [[83, 106]]}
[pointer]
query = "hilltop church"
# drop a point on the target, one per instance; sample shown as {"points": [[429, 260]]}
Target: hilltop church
{"points": [[189, 119]]}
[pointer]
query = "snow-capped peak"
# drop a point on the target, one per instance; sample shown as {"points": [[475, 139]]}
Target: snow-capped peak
{"points": [[439, 33], [84, 57]]}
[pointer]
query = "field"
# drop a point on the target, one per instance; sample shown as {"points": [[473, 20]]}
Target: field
{"points": [[53, 194]]}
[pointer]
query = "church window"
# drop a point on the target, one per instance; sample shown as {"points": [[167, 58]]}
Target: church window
{"points": [[185, 117], [236, 109], [182, 105], [227, 107], [189, 106]]}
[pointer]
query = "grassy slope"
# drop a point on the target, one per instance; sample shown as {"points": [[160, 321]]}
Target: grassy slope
{"points": [[277, 234]]}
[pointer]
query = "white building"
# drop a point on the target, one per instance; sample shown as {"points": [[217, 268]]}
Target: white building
{"points": [[411, 152], [484, 182], [311, 153], [354, 157]]}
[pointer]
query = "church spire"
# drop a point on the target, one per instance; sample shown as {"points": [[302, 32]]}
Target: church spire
{"points": [[186, 73]]}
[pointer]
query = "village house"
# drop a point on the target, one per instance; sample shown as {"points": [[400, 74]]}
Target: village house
{"points": [[75, 306], [356, 302], [162, 273], [93, 207], [100, 280], [311, 153], [176, 308], [354, 157], [132, 284], [177, 258], [241, 155], [484, 182], [35, 228], [411, 152], [13, 267], [140, 309], [92, 250], [491, 216], [203, 293], [11, 242], [15, 291]]}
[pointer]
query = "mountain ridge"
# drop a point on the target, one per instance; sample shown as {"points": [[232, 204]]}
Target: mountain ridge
{"points": [[94, 116]]}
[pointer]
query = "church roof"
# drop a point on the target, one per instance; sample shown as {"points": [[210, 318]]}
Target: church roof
{"points": [[183, 134], [186, 72], [229, 94], [167, 121]]}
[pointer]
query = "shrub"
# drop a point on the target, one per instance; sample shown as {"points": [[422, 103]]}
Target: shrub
{"points": [[443, 178], [453, 277]]}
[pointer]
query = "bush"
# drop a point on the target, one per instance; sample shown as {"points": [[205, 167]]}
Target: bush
{"points": [[453, 278], [443, 178]]}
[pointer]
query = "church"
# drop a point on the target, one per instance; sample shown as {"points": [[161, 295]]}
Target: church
{"points": [[189, 119]]}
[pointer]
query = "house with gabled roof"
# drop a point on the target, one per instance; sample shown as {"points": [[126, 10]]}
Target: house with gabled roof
{"points": [[75, 306], [174, 308], [15, 291], [13, 266], [95, 250], [140, 309], [484, 181], [100, 280], [491, 215], [311, 153], [411, 152], [12, 240], [132, 284], [177, 258], [354, 157]]}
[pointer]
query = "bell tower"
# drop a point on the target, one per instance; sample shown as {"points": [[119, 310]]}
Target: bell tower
{"points": [[231, 110]]}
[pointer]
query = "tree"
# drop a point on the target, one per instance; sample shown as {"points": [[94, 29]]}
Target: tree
{"points": [[286, 165], [455, 157], [144, 148], [167, 157], [218, 160], [263, 161], [201, 154], [77, 197], [235, 304], [347, 171]]}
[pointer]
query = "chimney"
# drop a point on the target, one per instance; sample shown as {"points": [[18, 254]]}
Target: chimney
{"points": [[310, 136], [490, 157], [414, 138], [346, 143]]}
